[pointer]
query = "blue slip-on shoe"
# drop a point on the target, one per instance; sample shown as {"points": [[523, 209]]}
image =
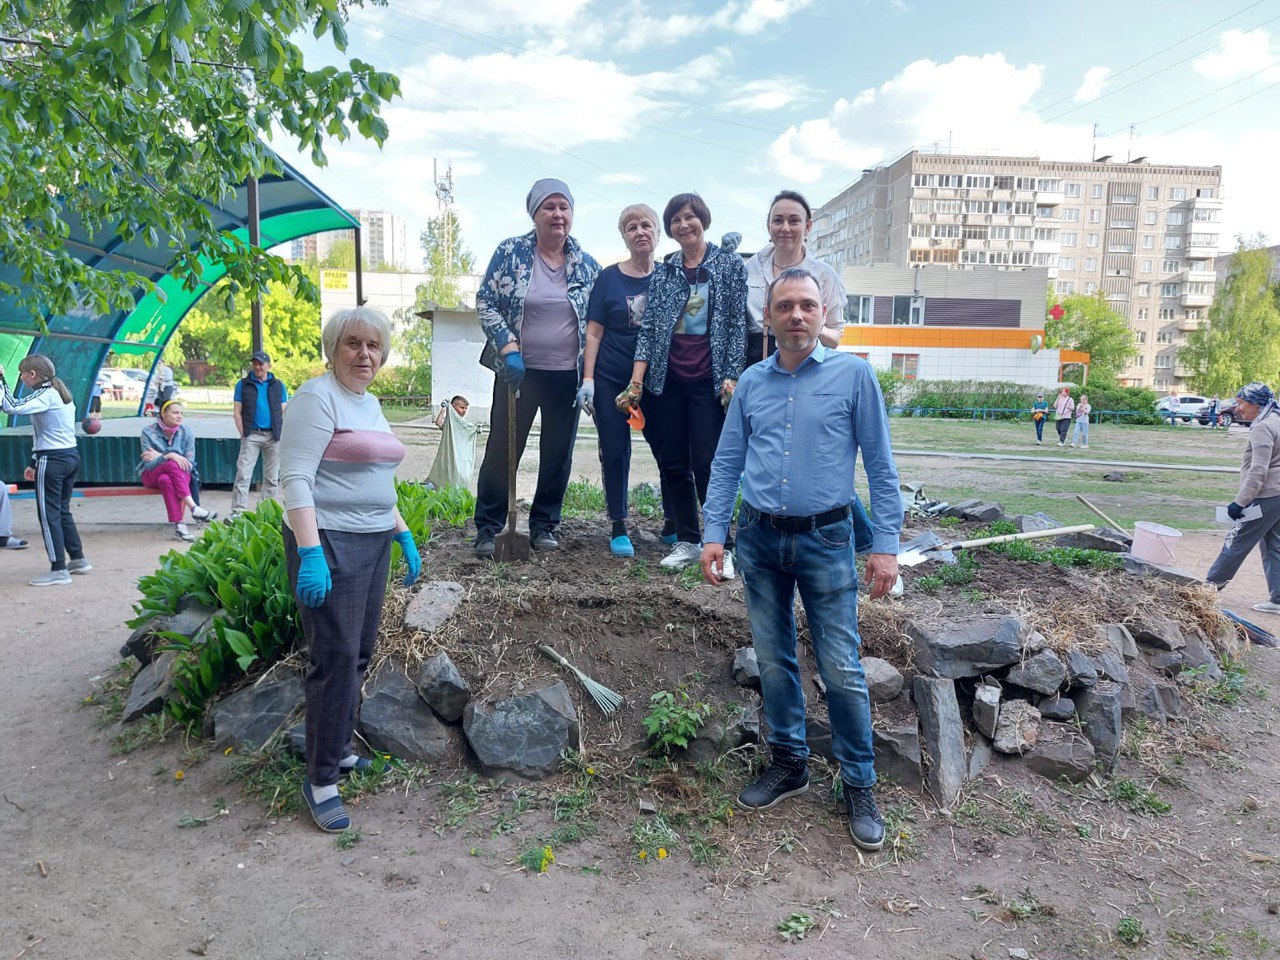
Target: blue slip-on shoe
{"points": [[669, 538], [621, 546], [330, 816], [362, 765]]}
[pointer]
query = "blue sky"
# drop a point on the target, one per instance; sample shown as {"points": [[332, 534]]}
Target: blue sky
{"points": [[631, 101]]}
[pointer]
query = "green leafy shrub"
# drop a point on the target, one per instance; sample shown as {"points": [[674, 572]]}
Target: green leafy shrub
{"points": [[239, 567], [673, 721], [954, 399]]}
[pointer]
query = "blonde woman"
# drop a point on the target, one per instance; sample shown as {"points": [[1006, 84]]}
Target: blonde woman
{"points": [[54, 463]]}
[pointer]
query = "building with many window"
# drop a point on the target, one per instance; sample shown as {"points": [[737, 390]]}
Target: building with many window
{"points": [[382, 241], [1145, 235]]}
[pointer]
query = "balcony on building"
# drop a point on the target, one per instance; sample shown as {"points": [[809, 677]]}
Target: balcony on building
{"points": [[1200, 251], [1180, 371], [1205, 203], [1197, 298], [1187, 324]]}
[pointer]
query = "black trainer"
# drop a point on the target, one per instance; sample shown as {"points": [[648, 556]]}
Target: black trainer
{"points": [[544, 539], [866, 826], [777, 783], [485, 544]]}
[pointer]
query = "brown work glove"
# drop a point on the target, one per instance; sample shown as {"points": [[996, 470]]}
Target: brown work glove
{"points": [[629, 397]]}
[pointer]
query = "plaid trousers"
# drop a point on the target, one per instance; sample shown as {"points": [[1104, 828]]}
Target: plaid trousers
{"points": [[340, 634]]}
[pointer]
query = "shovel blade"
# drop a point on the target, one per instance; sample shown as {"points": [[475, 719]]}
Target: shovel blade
{"points": [[510, 546]]}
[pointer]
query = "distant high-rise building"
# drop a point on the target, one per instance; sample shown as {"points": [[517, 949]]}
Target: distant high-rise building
{"points": [[1144, 234], [382, 240]]}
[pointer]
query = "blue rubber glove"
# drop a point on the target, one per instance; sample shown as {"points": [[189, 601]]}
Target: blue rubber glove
{"points": [[412, 559], [314, 580], [586, 398], [512, 370], [1234, 510]]}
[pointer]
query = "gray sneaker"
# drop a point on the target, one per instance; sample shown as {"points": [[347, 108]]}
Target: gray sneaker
{"points": [[485, 545], [79, 566], [53, 578]]}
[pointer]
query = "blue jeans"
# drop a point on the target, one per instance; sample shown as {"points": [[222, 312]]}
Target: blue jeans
{"points": [[820, 563]]}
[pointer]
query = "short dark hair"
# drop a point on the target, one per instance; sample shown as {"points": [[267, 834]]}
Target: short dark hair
{"points": [[791, 195], [457, 396], [787, 275], [678, 203]]}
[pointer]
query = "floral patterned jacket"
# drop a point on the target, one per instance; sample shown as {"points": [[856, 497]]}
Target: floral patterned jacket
{"points": [[500, 299], [668, 294]]}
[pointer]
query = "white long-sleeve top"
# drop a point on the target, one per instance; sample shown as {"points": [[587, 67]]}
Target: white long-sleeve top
{"points": [[338, 455], [53, 422]]}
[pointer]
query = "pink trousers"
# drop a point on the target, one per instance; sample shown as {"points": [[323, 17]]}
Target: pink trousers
{"points": [[174, 485]]}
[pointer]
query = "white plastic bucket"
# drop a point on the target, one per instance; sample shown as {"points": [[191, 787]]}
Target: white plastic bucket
{"points": [[1154, 542]]}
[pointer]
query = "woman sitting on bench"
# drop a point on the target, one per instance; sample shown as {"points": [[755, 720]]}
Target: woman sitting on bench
{"points": [[169, 464]]}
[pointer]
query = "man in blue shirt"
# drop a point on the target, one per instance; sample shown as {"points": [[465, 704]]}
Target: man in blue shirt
{"points": [[258, 409], [793, 433]]}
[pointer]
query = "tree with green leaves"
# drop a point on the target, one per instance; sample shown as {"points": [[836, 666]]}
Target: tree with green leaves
{"points": [[218, 331], [341, 255], [131, 115], [1089, 324], [1240, 342]]}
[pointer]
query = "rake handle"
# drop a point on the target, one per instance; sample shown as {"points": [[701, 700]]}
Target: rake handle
{"points": [[1029, 535], [552, 655]]}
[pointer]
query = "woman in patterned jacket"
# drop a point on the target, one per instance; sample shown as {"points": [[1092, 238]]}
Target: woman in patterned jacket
{"points": [[688, 356]]}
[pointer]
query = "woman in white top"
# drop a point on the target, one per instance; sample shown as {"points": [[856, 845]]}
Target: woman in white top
{"points": [[789, 223], [54, 463], [338, 459]]}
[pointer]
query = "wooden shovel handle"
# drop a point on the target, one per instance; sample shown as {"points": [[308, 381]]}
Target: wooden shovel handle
{"points": [[1029, 535], [1111, 523]]}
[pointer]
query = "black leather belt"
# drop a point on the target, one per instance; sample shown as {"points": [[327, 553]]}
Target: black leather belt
{"points": [[802, 524]]}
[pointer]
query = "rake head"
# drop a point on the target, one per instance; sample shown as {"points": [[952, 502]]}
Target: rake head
{"points": [[607, 700]]}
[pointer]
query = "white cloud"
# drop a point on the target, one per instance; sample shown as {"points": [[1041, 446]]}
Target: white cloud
{"points": [[487, 16], [546, 102], [1095, 79], [1239, 54], [640, 30], [771, 94], [926, 103]]}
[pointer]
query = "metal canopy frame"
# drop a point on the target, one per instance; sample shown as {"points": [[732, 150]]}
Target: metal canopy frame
{"points": [[289, 206]]}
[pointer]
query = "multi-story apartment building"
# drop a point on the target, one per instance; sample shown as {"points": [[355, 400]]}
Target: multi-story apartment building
{"points": [[1144, 234], [382, 240]]}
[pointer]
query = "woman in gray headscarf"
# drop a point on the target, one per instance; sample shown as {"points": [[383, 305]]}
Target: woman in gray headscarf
{"points": [[1259, 487]]}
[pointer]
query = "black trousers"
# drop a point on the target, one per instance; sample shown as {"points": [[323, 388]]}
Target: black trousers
{"points": [[683, 426], [55, 482], [551, 392], [341, 634]]}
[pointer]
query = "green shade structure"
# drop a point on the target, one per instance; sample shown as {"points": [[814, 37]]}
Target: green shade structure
{"points": [[290, 206]]}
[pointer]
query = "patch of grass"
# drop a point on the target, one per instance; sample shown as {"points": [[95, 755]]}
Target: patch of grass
{"points": [[1136, 798], [644, 500], [638, 570], [900, 831], [523, 799], [1216, 946], [653, 838], [1027, 906], [704, 851], [348, 838], [537, 859], [583, 498], [141, 733], [1130, 931], [273, 777], [690, 577], [384, 771]]}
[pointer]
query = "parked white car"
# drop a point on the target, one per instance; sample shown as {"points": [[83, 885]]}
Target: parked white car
{"points": [[1188, 407]]}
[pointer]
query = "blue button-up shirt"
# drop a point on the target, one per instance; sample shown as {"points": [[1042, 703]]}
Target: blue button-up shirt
{"points": [[793, 437]]}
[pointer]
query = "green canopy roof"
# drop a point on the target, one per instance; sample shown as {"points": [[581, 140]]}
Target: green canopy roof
{"points": [[290, 206]]}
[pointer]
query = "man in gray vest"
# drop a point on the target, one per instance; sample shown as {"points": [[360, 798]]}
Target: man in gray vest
{"points": [[260, 400]]}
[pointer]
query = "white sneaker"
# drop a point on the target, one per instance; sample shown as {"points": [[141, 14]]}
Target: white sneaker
{"points": [[79, 566], [898, 587], [1084, 446], [203, 515], [180, 532], [1266, 606], [727, 572], [683, 554], [54, 578]]}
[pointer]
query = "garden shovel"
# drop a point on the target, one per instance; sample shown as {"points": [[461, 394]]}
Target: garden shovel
{"points": [[913, 558], [511, 544]]}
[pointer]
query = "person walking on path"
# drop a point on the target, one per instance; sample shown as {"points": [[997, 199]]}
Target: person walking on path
{"points": [[532, 307], [259, 404], [1214, 406], [7, 540], [796, 425], [1081, 432], [55, 461], [169, 465], [1260, 487], [1063, 408], [689, 355], [1039, 413], [339, 459], [1173, 405]]}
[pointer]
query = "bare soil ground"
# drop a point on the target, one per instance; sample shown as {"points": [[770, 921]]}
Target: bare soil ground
{"points": [[97, 865]]}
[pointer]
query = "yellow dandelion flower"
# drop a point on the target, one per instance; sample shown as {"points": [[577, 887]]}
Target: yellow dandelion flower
{"points": [[547, 855], [227, 752], [662, 853], [591, 771], [178, 775], [643, 854]]}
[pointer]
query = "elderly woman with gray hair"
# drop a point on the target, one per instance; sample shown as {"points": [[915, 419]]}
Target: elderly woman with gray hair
{"points": [[1259, 487], [532, 306], [337, 468]]}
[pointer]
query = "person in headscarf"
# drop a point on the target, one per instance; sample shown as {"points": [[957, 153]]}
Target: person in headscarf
{"points": [[1260, 487]]}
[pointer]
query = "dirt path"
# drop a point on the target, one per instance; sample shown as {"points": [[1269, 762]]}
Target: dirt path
{"points": [[95, 864]]}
